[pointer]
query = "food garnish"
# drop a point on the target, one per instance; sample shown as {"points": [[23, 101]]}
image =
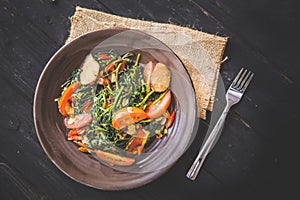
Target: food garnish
{"points": [[114, 106]]}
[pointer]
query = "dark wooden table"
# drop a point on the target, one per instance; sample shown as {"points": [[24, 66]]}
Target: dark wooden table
{"points": [[256, 154]]}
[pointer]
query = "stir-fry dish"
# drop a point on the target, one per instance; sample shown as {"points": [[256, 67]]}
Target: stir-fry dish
{"points": [[115, 106]]}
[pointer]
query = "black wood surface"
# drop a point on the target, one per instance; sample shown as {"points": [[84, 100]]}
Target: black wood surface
{"points": [[256, 155]]}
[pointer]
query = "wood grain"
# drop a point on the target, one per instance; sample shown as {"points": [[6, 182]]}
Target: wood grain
{"points": [[255, 156]]}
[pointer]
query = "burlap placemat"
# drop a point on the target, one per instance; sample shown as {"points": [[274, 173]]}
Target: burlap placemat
{"points": [[200, 52]]}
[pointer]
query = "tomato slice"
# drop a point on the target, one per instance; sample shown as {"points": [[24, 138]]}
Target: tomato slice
{"points": [[110, 67], [170, 120], [159, 108], [104, 56], [78, 121], [64, 99], [114, 159], [127, 116], [74, 134], [136, 143]]}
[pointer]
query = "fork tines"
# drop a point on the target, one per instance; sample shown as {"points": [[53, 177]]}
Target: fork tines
{"points": [[242, 80]]}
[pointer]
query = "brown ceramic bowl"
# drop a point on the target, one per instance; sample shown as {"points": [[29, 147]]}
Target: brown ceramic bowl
{"points": [[84, 168]]}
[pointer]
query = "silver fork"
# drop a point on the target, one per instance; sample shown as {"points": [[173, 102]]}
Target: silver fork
{"points": [[233, 96]]}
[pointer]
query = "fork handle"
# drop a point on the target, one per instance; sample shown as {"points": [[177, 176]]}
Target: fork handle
{"points": [[197, 164]]}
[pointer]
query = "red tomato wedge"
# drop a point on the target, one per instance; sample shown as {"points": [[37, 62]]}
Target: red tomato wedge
{"points": [[170, 120], [159, 108], [114, 159], [74, 134], [78, 121], [110, 67], [127, 116], [64, 99], [136, 143], [104, 56]]}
